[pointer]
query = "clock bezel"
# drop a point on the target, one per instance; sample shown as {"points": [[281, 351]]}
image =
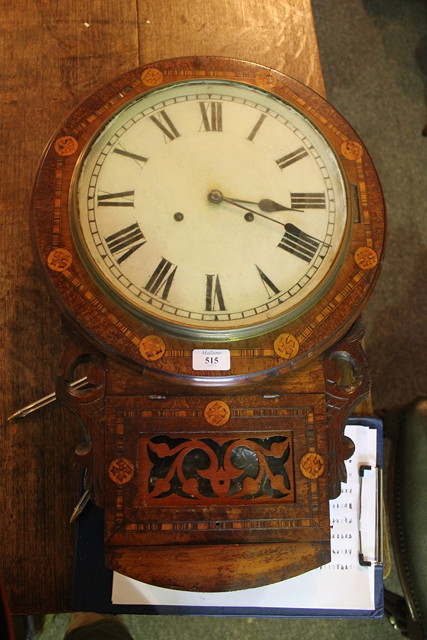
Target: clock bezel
{"points": [[200, 332], [112, 328]]}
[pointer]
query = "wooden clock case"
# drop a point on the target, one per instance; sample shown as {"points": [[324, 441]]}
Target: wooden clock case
{"points": [[208, 481]]}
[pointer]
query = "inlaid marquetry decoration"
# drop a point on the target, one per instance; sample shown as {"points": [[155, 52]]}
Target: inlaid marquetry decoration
{"points": [[312, 465], [66, 145], [352, 150], [152, 347], [286, 346], [366, 258], [217, 413], [59, 259], [152, 77], [121, 470]]}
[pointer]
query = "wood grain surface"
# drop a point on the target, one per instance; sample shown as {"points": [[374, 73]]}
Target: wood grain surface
{"points": [[53, 54]]}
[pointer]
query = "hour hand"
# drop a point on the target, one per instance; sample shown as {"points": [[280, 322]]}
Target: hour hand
{"points": [[267, 205]]}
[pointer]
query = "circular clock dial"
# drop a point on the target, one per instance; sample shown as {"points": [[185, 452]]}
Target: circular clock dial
{"points": [[211, 209]]}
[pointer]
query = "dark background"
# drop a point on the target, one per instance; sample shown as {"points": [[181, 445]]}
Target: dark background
{"points": [[374, 58]]}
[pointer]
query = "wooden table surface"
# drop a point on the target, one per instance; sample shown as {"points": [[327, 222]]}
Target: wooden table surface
{"points": [[53, 54]]}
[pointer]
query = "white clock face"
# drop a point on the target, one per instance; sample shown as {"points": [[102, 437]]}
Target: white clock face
{"points": [[211, 209]]}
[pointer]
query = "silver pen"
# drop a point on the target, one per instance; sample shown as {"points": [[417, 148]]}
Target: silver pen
{"points": [[80, 505], [43, 402]]}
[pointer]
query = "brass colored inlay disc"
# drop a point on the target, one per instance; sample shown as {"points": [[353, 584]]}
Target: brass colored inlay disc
{"points": [[312, 465], [217, 413]]}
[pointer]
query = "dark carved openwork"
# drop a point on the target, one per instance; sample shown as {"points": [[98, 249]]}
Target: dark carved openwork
{"points": [[213, 469]]}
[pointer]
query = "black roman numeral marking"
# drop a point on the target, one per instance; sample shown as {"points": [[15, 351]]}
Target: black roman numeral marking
{"points": [[125, 242], [269, 286], [292, 157], [166, 125], [257, 126], [161, 280], [120, 199], [129, 154], [299, 243], [211, 116], [308, 200], [214, 297]]}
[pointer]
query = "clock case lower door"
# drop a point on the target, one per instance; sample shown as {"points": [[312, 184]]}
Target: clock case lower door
{"points": [[215, 491]]}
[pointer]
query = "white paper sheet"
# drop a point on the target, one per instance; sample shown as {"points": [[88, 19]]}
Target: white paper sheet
{"points": [[341, 584]]}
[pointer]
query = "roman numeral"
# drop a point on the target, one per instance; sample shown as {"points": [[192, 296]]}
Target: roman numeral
{"points": [[269, 286], [308, 200], [129, 154], [299, 243], [211, 115], [292, 157], [256, 128], [161, 280], [125, 242], [165, 125], [214, 297], [120, 199]]}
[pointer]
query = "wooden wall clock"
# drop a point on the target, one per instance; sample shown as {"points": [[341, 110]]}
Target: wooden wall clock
{"points": [[211, 230]]}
